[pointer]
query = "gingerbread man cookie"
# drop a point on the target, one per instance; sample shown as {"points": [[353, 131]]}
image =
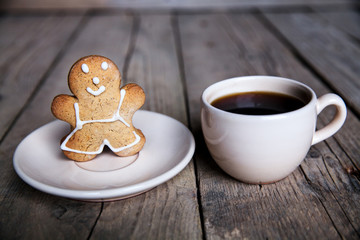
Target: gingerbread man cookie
{"points": [[101, 112]]}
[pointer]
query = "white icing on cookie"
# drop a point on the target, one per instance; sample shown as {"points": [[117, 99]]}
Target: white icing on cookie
{"points": [[97, 92], [104, 65], [96, 80], [85, 68], [80, 124]]}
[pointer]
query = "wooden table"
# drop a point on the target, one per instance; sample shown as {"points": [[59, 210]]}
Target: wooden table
{"points": [[174, 50]]}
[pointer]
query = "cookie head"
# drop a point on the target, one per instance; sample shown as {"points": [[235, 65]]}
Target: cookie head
{"points": [[94, 77]]}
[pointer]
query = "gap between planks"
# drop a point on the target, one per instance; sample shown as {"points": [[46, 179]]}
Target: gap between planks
{"points": [[44, 77]]}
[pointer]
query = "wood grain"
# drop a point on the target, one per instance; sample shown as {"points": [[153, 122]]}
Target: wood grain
{"points": [[170, 208], [43, 215], [161, 5], [346, 20], [170, 211], [154, 66], [329, 52], [236, 45], [29, 46]]}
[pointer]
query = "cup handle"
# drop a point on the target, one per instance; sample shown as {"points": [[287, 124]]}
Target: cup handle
{"points": [[338, 120]]}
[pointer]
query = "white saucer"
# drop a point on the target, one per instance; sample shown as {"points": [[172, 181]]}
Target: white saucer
{"points": [[169, 147]]}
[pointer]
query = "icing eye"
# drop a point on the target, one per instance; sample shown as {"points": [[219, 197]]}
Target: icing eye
{"points": [[104, 65], [85, 68], [96, 80]]}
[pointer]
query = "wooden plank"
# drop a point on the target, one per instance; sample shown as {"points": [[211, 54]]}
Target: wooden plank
{"points": [[300, 206], [170, 210], [44, 216], [154, 66], [164, 5], [346, 20], [29, 46], [331, 53]]}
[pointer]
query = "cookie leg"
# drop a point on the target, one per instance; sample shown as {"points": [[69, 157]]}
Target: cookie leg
{"points": [[134, 149], [83, 140], [80, 157]]}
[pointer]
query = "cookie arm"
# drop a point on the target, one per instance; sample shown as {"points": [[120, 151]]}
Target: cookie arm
{"points": [[63, 108], [134, 98]]}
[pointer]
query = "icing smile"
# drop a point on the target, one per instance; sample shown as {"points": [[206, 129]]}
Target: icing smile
{"points": [[97, 92]]}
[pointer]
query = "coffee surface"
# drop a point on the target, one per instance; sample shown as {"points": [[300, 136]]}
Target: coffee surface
{"points": [[258, 103]]}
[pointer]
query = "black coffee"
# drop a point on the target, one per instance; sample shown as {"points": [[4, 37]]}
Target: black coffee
{"points": [[258, 103]]}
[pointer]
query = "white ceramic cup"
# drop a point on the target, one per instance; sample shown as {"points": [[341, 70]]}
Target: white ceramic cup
{"points": [[262, 149]]}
